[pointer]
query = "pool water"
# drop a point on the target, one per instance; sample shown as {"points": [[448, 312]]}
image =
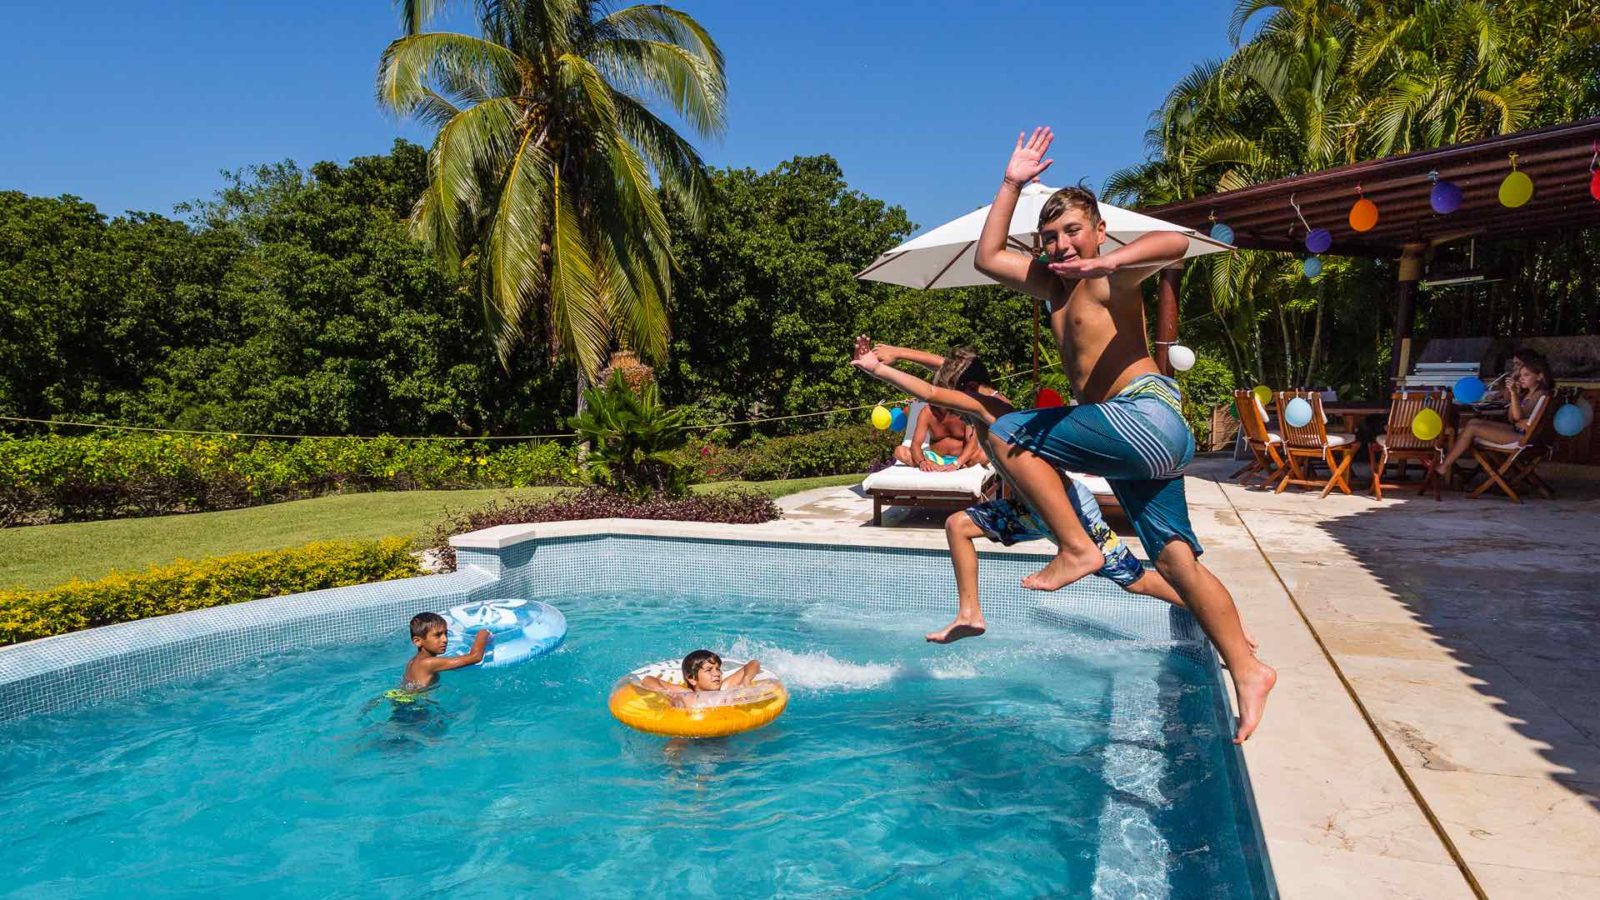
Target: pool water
{"points": [[1007, 765]]}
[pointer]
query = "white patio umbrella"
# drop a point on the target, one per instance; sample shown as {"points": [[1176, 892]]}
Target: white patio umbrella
{"points": [[942, 258]]}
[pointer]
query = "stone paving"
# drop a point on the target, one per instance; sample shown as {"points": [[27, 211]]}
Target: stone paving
{"points": [[1447, 651]]}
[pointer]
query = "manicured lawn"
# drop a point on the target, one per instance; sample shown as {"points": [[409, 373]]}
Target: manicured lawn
{"points": [[42, 556]]}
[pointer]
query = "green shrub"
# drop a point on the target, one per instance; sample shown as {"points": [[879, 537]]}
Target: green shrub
{"points": [[186, 585], [829, 451], [78, 478], [634, 439], [1206, 386]]}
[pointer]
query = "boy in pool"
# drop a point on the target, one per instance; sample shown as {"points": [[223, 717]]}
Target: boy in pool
{"points": [[1129, 427], [702, 672], [961, 384], [430, 635]]}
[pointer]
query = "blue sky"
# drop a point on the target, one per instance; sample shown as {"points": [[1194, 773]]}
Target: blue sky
{"points": [[139, 105]]}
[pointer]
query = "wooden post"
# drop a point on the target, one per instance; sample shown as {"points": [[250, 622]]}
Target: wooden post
{"points": [[1167, 314], [1405, 314]]}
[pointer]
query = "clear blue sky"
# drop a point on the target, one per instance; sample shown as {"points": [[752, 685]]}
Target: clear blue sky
{"points": [[139, 105]]}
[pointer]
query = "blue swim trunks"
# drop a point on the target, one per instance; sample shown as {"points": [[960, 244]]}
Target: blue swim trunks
{"points": [[1009, 523], [1137, 440], [939, 459]]}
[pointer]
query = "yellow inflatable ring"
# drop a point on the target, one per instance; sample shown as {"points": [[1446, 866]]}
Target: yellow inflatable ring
{"points": [[696, 715]]}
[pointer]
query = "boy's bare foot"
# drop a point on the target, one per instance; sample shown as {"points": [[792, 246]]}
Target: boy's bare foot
{"points": [[1064, 570], [962, 627], [1250, 690]]}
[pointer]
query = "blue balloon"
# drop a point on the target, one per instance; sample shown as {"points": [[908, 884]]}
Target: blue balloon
{"points": [[1445, 198], [1222, 233], [897, 418], [1470, 389], [1312, 267], [1297, 413], [1569, 420], [1319, 240]]}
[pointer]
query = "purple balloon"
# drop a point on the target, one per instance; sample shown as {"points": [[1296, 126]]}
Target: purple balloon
{"points": [[1446, 198], [1319, 240]]}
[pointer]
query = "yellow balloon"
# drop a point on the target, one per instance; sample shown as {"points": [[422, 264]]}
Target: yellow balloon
{"points": [[1427, 425], [1516, 190], [880, 418], [1263, 394]]}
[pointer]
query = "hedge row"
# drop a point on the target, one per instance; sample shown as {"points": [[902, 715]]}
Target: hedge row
{"points": [[828, 451], [52, 479], [185, 585], [66, 479]]}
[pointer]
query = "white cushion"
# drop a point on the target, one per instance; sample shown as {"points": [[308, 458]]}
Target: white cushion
{"points": [[1339, 439], [1493, 445], [1274, 438], [910, 480]]}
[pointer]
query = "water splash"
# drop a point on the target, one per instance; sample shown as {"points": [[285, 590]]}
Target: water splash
{"points": [[815, 670]]}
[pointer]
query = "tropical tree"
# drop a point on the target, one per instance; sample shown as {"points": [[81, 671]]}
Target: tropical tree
{"points": [[543, 175]]}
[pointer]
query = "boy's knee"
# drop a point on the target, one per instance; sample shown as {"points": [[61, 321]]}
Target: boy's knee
{"points": [[956, 524], [1176, 560]]}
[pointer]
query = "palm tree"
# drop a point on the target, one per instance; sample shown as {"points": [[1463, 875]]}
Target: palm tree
{"points": [[543, 174]]}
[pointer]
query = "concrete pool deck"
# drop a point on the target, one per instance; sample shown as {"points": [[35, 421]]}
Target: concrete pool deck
{"points": [[1436, 728]]}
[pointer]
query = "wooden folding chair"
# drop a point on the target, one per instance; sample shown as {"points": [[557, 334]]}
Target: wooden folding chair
{"points": [[1515, 464], [1399, 444], [1309, 444], [1265, 446]]}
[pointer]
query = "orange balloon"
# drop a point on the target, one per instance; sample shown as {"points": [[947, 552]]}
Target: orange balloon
{"points": [[1364, 215]]}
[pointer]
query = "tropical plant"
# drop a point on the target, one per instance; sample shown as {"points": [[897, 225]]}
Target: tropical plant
{"points": [[540, 176], [634, 439]]}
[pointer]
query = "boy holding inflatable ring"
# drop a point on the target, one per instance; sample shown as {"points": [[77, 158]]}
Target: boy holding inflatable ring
{"points": [[702, 673], [431, 634]]}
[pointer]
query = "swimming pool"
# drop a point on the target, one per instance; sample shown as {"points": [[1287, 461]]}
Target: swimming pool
{"points": [[1055, 756]]}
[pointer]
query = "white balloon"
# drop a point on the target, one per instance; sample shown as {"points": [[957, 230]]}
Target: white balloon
{"points": [[1181, 357]]}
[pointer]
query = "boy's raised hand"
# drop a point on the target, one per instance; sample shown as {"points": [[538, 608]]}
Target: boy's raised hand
{"points": [[1027, 160]]}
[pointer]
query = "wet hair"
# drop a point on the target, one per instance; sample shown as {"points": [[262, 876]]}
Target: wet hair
{"points": [[693, 662], [962, 370], [424, 622], [1076, 197]]}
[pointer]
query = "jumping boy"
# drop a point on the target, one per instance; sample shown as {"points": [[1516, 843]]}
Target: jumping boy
{"points": [[1129, 426], [961, 384], [430, 635]]}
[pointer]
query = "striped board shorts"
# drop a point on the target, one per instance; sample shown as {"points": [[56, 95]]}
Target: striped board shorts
{"points": [[1137, 440]]}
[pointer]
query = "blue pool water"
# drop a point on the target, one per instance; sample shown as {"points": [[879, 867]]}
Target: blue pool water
{"points": [[1008, 765]]}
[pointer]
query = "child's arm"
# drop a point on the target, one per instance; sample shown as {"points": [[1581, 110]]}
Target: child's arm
{"points": [[889, 354], [743, 676], [922, 390], [1131, 263], [991, 256], [470, 658], [650, 682]]}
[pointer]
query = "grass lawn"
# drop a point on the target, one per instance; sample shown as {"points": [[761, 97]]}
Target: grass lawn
{"points": [[43, 556]]}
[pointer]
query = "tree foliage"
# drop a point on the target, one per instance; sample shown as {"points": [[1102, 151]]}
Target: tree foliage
{"points": [[1323, 83]]}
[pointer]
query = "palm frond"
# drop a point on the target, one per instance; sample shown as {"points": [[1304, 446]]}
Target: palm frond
{"points": [[577, 312], [468, 148], [465, 67], [514, 258], [694, 87]]}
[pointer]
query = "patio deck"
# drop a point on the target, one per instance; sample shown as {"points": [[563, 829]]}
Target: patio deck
{"points": [[1465, 632]]}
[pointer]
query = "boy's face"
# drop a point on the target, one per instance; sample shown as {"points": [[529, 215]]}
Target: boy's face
{"points": [[1071, 235], [708, 677], [433, 640]]}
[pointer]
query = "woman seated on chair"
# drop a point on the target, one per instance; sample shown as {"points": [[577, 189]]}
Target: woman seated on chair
{"points": [[1530, 383]]}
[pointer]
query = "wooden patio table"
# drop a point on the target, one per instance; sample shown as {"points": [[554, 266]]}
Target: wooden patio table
{"points": [[1353, 411]]}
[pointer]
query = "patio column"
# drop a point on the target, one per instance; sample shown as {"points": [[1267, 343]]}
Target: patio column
{"points": [[1167, 314], [1405, 314]]}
